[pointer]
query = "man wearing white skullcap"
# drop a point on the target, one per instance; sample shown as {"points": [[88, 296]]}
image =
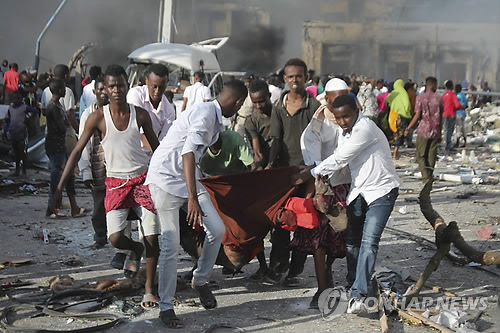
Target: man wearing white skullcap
{"points": [[318, 140]]}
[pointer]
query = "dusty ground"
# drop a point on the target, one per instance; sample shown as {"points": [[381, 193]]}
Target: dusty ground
{"points": [[243, 302]]}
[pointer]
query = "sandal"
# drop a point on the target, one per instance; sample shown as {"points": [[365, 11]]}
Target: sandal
{"points": [[170, 320], [149, 298], [207, 299], [132, 264]]}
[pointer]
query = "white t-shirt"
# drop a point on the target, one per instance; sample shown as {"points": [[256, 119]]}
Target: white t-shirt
{"points": [[68, 101], [197, 93]]}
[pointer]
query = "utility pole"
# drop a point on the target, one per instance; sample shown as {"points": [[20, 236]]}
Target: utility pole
{"points": [[167, 9], [49, 23]]}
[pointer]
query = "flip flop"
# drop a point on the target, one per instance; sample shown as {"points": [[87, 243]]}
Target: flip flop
{"points": [[132, 264], [80, 213], [56, 215], [149, 298], [170, 320]]}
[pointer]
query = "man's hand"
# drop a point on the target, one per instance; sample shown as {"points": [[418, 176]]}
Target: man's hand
{"points": [[195, 214], [303, 176], [88, 183], [257, 156]]}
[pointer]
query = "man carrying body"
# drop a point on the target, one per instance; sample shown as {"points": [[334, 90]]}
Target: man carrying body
{"points": [[293, 113], [92, 167], [258, 125], [151, 98], [363, 147], [428, 115], [173, 182], [197, 93], [126, 165]]}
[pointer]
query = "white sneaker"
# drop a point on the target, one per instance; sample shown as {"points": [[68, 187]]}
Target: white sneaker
{"points": [[357, 306]]}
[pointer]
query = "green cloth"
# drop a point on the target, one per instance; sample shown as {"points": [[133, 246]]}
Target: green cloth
{"points": [[234, 156], [398, 99]]}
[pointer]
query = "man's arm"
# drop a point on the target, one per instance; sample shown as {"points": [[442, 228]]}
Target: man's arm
{"points": [[144, 122], [84, 163], [254, 135], [169, 119], [207, 95], [359, 141], [456, 103], [416, 116], [184, 103], [277, 136], [195, 214]]}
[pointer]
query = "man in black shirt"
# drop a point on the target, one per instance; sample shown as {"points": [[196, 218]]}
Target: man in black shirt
{"points": [[57, 122], [291, 115]]}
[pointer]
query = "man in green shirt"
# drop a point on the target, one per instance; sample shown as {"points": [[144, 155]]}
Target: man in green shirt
{"points": [[229, 155]]}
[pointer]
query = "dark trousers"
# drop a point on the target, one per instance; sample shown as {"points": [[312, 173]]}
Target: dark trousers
{"points": [[280, 254], [57, 163], [426, 154], [99, 217], [19, 148]]}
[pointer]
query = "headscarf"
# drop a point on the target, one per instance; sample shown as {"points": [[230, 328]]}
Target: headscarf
{"points": [[398, 99]]}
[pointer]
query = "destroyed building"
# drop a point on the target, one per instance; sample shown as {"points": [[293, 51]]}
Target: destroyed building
{"points": [[406, 39]]}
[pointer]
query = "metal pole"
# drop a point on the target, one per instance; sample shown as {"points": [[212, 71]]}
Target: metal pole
{"points": [[166, 26], [160, 21], [37, 49]]}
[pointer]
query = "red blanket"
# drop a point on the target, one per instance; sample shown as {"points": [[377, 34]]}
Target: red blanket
{"points": [[249, 203], [127, 193]]}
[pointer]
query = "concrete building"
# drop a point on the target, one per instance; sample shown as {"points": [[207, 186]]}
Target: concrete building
{"points": [[390, 39]]}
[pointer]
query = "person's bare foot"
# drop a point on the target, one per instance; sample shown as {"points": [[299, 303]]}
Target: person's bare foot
{"points": [[77, 212]]}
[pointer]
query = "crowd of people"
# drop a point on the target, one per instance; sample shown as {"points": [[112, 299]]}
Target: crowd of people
{"points": [[332, 134]]}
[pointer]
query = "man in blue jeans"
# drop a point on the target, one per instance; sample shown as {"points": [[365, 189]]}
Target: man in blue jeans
{"points": [[375, 186]]}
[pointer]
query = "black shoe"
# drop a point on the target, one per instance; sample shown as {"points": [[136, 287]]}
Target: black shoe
{"points": [[170, 320], [97, 246], [228, 271], [118, 260], [292, 281], [272, 278], [207, 299]]}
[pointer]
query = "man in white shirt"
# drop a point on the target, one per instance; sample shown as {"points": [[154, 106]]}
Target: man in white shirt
{"points": [[88, 96], [375, 186], [151, 98], [197, 93], [380, 88], [319, 139], [173, 180], [61, 72]]}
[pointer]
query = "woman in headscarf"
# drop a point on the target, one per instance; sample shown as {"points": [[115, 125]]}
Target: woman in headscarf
{"points": [[400, 114]]}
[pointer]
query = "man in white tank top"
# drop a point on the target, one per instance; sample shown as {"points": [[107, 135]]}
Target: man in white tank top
{"points": [[126, 167]]}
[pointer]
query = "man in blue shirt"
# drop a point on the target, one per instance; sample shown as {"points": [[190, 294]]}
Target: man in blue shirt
{"points": [[460, 118]]}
